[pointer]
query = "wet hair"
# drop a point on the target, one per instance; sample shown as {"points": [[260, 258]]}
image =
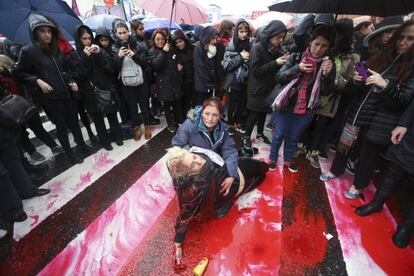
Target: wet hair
{"points": [[175, 158], [135, 23], [119, 23], [226, 28], [161, 32], [215, 102], [324, 31], [385, 56]]}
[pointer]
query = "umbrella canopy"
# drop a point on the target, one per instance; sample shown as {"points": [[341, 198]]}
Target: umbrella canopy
{"points": [[381, 8], [265, 18], [100, 20], [185, 11], [152, 23], [14, 17]]}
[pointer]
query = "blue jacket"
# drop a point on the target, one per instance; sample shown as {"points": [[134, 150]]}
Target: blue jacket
{"points": [[193, 132]]}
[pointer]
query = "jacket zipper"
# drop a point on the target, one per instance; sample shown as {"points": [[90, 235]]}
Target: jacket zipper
{"points": [[370, 91], [211, 142]]}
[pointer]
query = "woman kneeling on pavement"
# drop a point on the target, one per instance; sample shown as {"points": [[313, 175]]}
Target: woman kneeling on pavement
{"points": [[305, 76], [197, 175]]}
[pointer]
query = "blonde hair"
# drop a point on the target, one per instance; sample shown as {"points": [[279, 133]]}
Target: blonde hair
{"points": [[175, 158], [6, 63]]}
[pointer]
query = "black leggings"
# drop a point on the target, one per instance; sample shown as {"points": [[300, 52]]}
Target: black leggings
{"points": [[254, 172], [64, 113], [237, 104], [255, 116]]}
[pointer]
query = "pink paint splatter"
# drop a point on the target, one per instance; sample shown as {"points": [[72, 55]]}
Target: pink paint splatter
{"points": [[35, 220], [84, 179], [102, 161]]}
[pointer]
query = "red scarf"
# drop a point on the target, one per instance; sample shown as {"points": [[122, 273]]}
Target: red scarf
{"points": [[9, 85]]}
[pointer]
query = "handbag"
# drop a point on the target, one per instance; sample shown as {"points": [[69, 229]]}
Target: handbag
{"points": [[105, 99], [15, 111]]}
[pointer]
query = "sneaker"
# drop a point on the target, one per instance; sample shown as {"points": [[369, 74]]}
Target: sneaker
{"points": [[231, 131], [269, 127], [247, 152], [172, 128], [107, 146], [36, 157], [272, 166], [291, 166], [301, 149], [262, 138], [352, 193], [247, 143], [314, 161], [154, 121], [57, 149], [119, 142], [327, 176], [241, 130]]}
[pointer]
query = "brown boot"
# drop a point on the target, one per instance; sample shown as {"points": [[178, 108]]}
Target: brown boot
{"points": [[148, 133], [137, 133]]}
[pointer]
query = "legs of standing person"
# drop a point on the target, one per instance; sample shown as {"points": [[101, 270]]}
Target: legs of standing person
{"points": [[298, 124], [131, 98], [169, 116], [85, 120], [251, 120], [10, 202], [188, 100], [26, 144], [10, 157], [202, 96], [143, 100], [178, 111], [35, 124], [54, 109], [279, 134], [115, 127], [232, 107], [368, 161], [73, 122], [104, 139], [318, 132]]}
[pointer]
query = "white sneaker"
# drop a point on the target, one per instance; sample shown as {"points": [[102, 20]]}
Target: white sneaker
{"points": [[3, 233]]}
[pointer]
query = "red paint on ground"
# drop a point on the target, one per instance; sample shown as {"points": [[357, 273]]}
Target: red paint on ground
{"points": [[242, 242]]}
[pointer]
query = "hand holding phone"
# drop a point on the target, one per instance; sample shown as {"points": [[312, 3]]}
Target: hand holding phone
{"points": [[362, 70]]}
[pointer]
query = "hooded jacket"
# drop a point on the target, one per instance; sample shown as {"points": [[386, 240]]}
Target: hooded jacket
{"points": [[193, 132], [263, 67], [185, 57], [206, 70], [97, 70], [34, 63], [237, 69]]}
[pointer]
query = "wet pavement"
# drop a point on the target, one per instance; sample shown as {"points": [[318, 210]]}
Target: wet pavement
{"points": [[123, 223]]}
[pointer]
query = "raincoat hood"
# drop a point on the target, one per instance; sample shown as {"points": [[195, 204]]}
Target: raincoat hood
{"points": [[206, 34], [103, 31], [37, 20], [77, 34], [273, 28], [179, 34], [236, 34]]}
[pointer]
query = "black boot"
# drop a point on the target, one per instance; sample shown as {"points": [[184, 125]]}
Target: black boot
{"points": [[73, 158], [86, 148], [247, 147], [381, 195], [404, 230]]}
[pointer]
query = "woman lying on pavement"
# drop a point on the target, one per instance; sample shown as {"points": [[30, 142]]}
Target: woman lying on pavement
{"points": [[197, 175]]}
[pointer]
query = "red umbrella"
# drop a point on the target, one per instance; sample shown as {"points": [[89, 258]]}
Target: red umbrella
{"points": [[185, 11]]}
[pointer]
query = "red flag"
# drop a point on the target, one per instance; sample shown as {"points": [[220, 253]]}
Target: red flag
{"points": [[109, 3], [75, 7]]}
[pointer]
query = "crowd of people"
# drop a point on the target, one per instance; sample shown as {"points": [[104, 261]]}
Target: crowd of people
{"points": [[327, 85]]}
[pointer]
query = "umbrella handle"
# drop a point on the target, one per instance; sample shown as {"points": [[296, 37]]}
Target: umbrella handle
{"points": [[169, 27]]}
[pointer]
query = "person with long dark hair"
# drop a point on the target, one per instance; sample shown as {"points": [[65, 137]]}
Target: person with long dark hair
{"points": [[95, 72], [385, 96], [43, 65], [266, 58], [197, 175], [167, 70], [331, 109]]}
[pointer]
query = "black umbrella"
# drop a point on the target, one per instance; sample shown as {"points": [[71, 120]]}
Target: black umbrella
{"points": [[14, 15], [381, 8]]}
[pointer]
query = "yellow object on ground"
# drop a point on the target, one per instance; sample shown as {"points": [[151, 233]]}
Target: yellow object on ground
{"points": [[201, 267]]}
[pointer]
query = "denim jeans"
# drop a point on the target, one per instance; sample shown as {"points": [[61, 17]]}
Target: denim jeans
{"points": [[289, 128]]}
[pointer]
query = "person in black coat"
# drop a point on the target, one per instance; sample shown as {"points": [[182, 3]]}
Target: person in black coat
{"points": [[401, 155], [373, 116], [167, 70], [265, 60], [207, 64], [96, 69], [41, 64], [127, 46], [184, 50], [14, 181]]}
